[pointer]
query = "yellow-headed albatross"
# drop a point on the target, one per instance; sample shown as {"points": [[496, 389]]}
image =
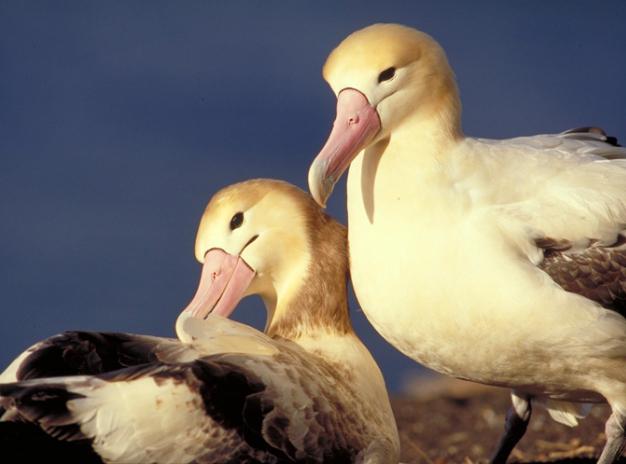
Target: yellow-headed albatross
{"points": [[305, 391], [497, 261]]}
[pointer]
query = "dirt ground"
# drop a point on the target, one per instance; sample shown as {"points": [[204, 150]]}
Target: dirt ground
{"points": [[445, 421]]}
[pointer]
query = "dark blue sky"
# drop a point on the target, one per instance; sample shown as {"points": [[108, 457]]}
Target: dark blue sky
{"points": [[118, 120]]}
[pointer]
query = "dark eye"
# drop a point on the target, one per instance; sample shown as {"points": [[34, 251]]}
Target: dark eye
{"points": [[386, 74], [236, 220]]}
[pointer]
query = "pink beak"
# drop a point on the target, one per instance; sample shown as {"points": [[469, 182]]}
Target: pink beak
{"points": [[354, 128], [224, 281]]}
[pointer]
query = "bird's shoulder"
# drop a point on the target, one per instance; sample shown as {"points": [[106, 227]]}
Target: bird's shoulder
{"points": [[567, 186]]}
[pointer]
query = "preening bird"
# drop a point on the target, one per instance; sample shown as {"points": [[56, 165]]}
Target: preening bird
{"points": [[306, 390], [497, 261]]}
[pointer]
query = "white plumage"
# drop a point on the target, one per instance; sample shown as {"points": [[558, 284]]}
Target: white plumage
{"points": [[496, 261]]}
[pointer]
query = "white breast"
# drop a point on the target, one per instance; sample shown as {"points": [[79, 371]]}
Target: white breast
{"points": [[442, 280]]}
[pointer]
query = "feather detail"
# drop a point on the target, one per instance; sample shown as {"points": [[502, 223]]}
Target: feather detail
{"points": [[564, 412]]}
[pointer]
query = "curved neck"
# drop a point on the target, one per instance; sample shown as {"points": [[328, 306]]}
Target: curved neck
{"points": [[320, 303]]}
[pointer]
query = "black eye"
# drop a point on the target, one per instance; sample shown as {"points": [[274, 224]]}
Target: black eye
{"points": [[386, 74], [236, 220]]}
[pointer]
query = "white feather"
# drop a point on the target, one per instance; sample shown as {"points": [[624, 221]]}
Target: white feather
{"points": [[566, 413]]}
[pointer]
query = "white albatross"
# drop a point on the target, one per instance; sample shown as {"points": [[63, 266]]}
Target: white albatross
{"points": [[306, 391], [496, 261]]}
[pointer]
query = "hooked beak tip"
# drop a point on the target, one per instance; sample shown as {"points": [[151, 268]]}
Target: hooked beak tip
{"points": [[321, 184]]}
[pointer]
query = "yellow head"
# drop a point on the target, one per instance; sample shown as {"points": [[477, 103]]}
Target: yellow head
{"points": [[267, 237], [383, 75]]}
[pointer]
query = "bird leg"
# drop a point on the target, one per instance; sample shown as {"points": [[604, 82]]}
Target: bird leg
{"points": [[516, 422], [614, 430]]}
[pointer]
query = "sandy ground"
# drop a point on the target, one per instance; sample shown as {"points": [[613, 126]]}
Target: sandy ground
{"points": [[445, 421]]}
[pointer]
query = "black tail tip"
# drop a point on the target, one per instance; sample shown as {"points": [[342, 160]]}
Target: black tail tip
{"points": [[595, 130]]}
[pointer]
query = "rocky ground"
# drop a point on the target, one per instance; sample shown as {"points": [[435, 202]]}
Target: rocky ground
{"points": [[445, 421]]}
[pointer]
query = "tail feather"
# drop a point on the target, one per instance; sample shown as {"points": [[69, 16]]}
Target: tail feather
{"points": [[592, 133]]}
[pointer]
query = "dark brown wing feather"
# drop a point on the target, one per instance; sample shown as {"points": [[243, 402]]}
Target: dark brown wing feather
{"points": [[88, 353], [597, 272]]}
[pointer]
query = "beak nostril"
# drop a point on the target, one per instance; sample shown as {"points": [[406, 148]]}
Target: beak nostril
{"points": [[353, 120], [214, 275]]}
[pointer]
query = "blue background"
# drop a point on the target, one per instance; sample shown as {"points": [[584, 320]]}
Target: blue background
{"points": [[118, 120]]}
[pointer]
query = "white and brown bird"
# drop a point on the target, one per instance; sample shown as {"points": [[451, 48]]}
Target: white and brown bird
{"points": [[496, 261], [307, 390]]}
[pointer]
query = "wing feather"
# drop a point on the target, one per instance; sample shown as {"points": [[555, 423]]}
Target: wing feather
{"points": [[227, 393], [569, 186], [597, 271], [85, 353]]}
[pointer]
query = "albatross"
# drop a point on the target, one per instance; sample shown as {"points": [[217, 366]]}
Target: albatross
{"points": [[306, 390], [496, 261]]}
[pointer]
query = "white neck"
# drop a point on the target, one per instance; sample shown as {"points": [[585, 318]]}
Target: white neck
{"points": [[398, 194], [400, 167]]}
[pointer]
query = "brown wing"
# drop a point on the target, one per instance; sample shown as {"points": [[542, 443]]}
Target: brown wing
{"points": [[597, 272]]}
